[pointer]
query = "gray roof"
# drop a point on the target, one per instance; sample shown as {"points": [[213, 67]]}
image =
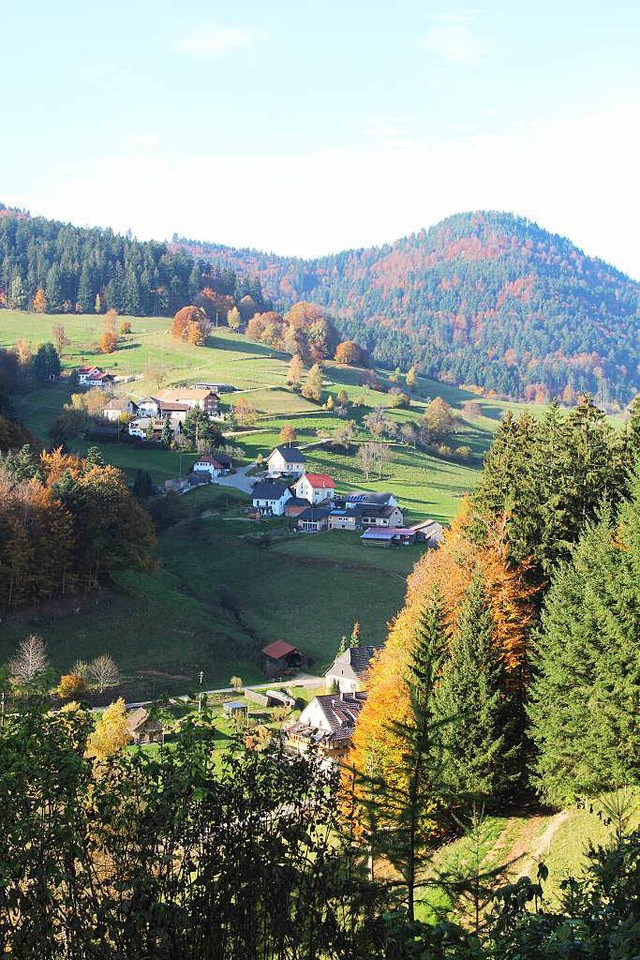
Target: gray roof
{"points": [[269, 490], [367, 497], [290, 454], [314, 513], [352, 663], [379, 511], [341, 711]]}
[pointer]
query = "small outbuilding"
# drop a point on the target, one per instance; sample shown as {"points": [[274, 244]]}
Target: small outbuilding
{"points": [[143, 728], [279, 657]]}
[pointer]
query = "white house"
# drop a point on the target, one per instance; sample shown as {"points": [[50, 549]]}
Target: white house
{"points": [[217, 465], [285, 459], [114, 409], [327, 722], [94, 377], [270, 497], [349, 668], [206, 400], [315, 487], [149, 407]]}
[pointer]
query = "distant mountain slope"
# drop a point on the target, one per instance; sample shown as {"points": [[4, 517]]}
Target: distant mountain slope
{"points": [[482, 298]]}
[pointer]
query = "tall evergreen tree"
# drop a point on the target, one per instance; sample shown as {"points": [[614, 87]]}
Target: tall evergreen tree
{"points": [[478, 721], [586, 695]]}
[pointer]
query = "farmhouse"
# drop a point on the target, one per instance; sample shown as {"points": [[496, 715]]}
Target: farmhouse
{"points": [[280, 656], [140, 426], [390, 537], [349, 669], [328, 722], [285, 460], [216, 465], [314, 519], [115, 408], [270, 497], [142, 728], [315, 487], [205, 400], [94, 377]]}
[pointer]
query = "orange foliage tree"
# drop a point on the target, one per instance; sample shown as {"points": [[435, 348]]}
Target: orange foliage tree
{"points": [[183, 320], [449, 571], [349, 352], [40, 301], [108, 342]]}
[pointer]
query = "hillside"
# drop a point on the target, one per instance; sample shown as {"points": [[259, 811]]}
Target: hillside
{"points": [[195, 610], [485, 299]]}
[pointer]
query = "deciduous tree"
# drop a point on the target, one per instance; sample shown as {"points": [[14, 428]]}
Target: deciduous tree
{"points": [[111, 733]]}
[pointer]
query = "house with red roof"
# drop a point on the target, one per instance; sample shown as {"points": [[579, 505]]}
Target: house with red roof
{"points": [[94, 377], [278, 657], [315, 487]]}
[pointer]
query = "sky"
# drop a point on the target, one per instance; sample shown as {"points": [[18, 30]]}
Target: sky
{"points": [[312, 126]]}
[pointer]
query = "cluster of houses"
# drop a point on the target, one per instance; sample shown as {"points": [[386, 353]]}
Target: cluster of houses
{"points": [[171, 405], [311, 502]]}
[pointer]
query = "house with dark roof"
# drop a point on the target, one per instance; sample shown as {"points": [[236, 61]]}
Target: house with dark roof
{"points": [[315, 487], [279, 657], [327, 723], [389, 516], [313, 519], [345, 518], [285, 459], [294, 507], [348, 670], [216, 465], [270, 497]]}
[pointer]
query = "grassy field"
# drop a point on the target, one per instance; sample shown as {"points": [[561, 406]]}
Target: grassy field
{"points": [[216, 597]]}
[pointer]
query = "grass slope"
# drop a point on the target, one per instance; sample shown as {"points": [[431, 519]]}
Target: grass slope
{"points": [[215, 597]]}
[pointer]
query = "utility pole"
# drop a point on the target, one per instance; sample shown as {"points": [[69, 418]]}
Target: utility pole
{"points": [[200, 679]]}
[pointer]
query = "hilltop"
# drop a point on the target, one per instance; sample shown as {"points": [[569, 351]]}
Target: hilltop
{"points": [[485, 299]]}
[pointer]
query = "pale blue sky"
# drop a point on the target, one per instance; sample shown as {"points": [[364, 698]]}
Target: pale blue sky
{"points": [[309, 127]]}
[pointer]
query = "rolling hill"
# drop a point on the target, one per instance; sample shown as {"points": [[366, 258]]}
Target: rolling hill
{"points": [[485, 299]]}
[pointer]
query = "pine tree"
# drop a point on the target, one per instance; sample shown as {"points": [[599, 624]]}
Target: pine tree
{"points": [[53, 290], [404, 802], [478, 754], [166, 436], [584, 700]]}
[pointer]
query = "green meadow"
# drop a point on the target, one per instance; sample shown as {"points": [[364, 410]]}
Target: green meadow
{"points": [[216, 594]]}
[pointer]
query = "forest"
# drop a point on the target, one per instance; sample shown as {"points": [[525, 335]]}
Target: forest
{"points": [[483, 299]]}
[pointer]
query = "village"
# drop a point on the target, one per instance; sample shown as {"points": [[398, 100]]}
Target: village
{"points": [[280, 488]]}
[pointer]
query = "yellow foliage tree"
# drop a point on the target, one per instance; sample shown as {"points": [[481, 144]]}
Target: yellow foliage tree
{"points": [[110, 734], [71, 685], [40, 301]]}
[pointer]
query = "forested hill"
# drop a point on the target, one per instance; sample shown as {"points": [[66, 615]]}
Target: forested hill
{"points": [[484, 298]]}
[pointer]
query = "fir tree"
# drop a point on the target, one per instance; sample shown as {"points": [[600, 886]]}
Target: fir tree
{"points": [[585, 697], [478, 755]]}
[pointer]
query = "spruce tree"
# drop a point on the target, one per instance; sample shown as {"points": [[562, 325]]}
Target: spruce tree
{"points": [[585, 696], [477, 732], [406, 803]]}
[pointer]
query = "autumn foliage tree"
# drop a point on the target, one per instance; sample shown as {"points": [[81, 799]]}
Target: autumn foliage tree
{"points": [[108, 342], [40, 301], [288, 433], [186, 321], [349, 352]]}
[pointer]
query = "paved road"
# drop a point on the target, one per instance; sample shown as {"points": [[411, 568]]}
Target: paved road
{"points": [[303, 680]]}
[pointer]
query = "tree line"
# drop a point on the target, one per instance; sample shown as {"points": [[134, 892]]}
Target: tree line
{"points": [[55, 267], [172, 853], [65, 524]]}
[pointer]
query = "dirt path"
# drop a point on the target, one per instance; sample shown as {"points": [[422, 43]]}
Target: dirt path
{"points": [[543, 845]]}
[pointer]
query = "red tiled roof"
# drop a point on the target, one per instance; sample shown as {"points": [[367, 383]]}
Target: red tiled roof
{"points": [[321, 480], [279, 648]]}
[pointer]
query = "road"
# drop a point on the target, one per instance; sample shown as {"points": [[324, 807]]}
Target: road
{"points": [[303, 680]]}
